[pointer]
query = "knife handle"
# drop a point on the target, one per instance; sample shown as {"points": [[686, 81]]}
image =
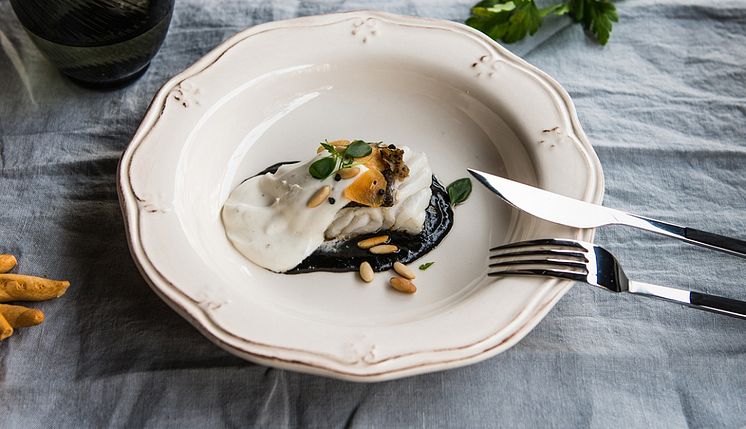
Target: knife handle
{"points": [[721, 242], [710, 240]]}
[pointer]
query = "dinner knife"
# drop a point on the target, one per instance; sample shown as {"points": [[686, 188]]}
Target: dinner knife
{"points": [[580, 214]]}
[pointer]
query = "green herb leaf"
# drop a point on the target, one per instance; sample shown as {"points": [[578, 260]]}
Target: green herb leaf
{"points": [[506, 20], [511, 20], [426, 265], [329, 148], [459, 191], [323, 168], [596, 16], [358, 149], [558, 9]]}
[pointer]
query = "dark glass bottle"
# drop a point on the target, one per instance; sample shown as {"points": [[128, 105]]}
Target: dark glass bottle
{"points": [[102, 43]]}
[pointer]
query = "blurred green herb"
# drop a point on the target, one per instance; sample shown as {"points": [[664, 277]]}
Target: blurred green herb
{"points": [[426, 265], [511, 20]]}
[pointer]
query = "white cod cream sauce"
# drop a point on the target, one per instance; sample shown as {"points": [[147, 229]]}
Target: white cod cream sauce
{"points": [[267, 220]]}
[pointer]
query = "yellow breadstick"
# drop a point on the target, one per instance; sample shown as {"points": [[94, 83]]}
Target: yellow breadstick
{"points": [[21, 317], [5, 329], [7, 262], [16, 287]]}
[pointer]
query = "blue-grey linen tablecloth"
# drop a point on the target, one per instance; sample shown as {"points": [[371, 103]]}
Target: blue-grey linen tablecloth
{"points": [[664, 104]]}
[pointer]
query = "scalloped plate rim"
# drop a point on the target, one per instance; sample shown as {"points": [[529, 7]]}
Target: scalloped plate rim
{"points": [[198, 316]]}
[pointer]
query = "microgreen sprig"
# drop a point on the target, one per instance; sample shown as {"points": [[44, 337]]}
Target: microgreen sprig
{"points": [[358, 149], [325, 167]]}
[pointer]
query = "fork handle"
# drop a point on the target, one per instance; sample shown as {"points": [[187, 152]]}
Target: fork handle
{"points": [[702, 301], [718, 304]]}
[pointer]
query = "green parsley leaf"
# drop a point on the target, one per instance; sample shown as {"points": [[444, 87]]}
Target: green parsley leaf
{"points": [[358, 149], [426, 265], [323, 168], [525, 18], [506, 20], [558, 9], [511, 20], [596, 16], [459, 191]]}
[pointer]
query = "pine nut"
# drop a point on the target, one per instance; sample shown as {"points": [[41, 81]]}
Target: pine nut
{"points": [[404, 271], [349, 173], [372, 241], [366, 272], [383, 249], [319, 196], [320, 149], [402, 285]]}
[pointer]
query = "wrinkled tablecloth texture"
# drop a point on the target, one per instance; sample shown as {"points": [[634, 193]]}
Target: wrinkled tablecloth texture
{"points": [[664, 104]]}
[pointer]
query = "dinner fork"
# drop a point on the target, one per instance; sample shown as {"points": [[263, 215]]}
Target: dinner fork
{"points": [[586, 262]]}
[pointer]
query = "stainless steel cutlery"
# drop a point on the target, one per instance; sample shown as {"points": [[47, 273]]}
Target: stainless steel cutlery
{"points": [[586, 262]]}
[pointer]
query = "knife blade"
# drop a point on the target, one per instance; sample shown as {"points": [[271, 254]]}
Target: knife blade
{"points": [[580, 214]]}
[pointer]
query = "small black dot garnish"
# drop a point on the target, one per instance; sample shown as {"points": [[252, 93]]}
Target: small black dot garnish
{"points": [[375, 182], [392, 146], [381, 192], [332, 200], [337, 177]]}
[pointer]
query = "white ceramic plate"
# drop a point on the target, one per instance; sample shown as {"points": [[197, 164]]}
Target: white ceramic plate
{"points": [[271, 93]]}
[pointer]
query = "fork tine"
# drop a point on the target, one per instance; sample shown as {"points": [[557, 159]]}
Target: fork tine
{"points": [[543, 262], [555, 242], [525, 270], [539, 265], [529, 252], [562, 258]]}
